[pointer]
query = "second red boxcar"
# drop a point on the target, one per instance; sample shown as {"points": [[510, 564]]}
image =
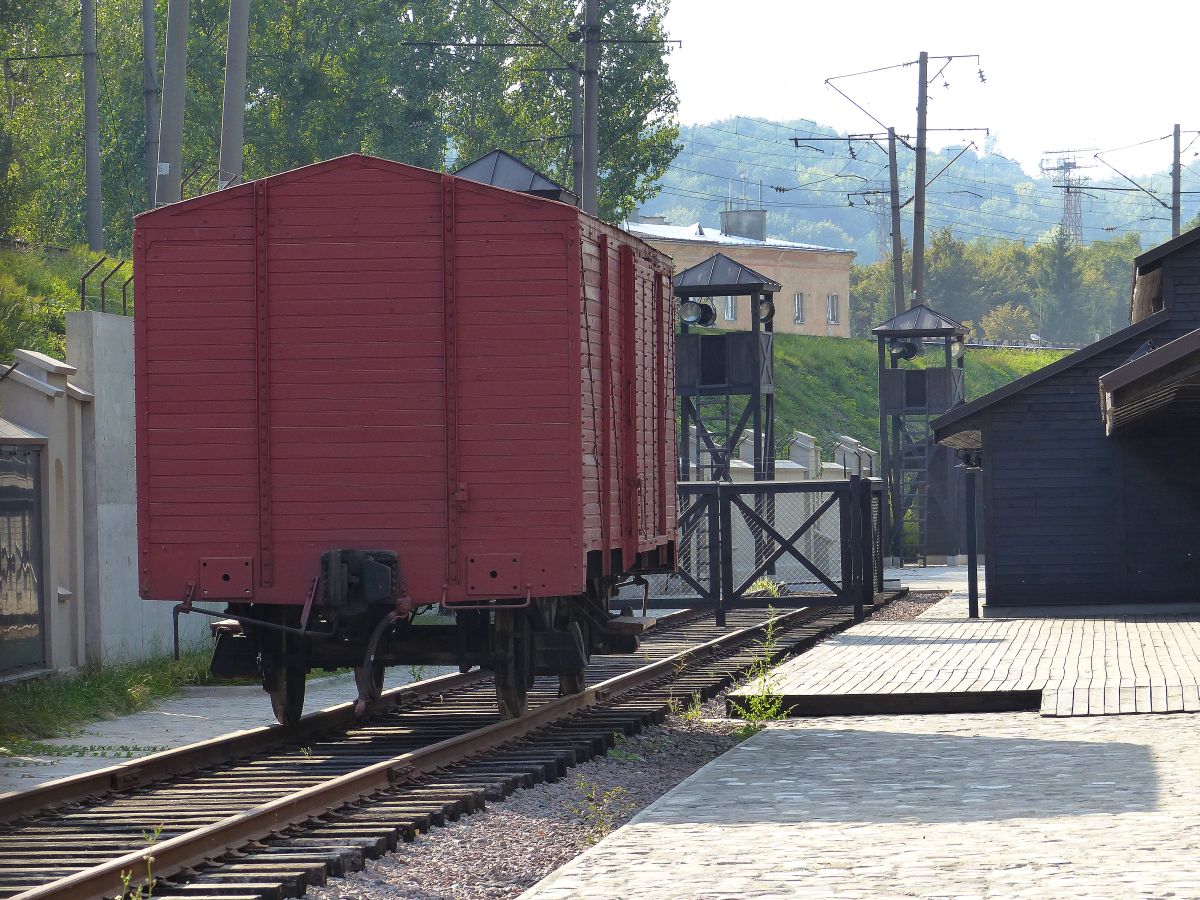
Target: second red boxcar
{"points": [[361, 372]]}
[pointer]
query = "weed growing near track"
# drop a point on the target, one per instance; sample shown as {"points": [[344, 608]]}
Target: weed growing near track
{"points": [[600, 809], [619, 752], [764, 587], [143, 890], [765, 704]]}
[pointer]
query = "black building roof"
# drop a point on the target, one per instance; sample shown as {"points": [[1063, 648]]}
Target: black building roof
{"points": [[503, 170], [959, 421], [720, 276], [1156, 253], [1167, 376], [920, 321]]}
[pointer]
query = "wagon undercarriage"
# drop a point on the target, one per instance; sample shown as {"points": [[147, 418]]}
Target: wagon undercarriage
{"points": [[540, 636]]}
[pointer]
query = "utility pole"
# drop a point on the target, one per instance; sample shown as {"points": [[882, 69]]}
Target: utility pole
{"points": [[91, 130], [150, 96], [233, 107], [576, 133], [897, 238], [170, 130], [591, 107], [1175, 184], [918, 263]]}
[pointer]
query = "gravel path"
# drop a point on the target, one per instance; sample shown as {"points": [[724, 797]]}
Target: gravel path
{"points": [[908, 608], [508, 848], [511, 846]]}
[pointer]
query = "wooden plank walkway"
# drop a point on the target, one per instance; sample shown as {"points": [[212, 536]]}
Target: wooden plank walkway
{"points": [[945, 662]]}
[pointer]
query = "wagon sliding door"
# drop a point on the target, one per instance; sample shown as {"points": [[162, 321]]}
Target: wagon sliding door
{"points": [[644, 453]]}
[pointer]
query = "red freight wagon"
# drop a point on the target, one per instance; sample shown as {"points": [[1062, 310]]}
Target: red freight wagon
{"points": [[364, 388]]}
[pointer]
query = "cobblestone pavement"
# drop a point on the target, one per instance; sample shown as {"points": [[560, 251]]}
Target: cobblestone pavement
{"points": [[201, 713], [945, 660], [948, 806]]}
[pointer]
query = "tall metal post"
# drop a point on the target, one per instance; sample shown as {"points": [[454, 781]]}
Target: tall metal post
{"points": [[897, 238], [150, 96], [918, 263], [576, 133], [684, 445], [1175, 185], [885, 500], [972, 549], [170, 130], [756, 397], [91, 130], [233, 108], [591, 108]]}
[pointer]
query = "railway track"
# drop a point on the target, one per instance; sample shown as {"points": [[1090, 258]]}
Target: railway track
{"points": [[265, 813]]}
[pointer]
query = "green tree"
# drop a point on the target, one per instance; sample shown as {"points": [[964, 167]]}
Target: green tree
{"points": [[327, 77], [870, 297], [1007, 323], [1056, 297]]}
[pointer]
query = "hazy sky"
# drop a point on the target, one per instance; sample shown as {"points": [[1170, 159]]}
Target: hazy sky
{"points": [[1060, 75]]}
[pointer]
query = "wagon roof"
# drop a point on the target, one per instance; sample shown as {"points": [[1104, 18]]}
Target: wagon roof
{"points": [[318, 169]]}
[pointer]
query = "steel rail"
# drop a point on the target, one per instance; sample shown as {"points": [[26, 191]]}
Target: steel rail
{"points": [[194, 847], [146, 770], [203, 754]]}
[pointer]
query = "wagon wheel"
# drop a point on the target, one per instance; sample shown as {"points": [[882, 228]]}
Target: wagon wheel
{"points": [[284, 681], [283, 678], [573, 682], [511, 660]]}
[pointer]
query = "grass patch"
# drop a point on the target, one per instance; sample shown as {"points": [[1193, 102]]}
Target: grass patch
{"points": [[828, 386], [38, 288], [57, 705]]}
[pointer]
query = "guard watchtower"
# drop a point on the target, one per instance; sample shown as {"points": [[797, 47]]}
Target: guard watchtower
{"points": [[726, 381], [921, 493]]}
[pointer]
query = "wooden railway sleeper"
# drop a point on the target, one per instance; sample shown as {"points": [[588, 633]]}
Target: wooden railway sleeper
{"points": [[589, 727]]}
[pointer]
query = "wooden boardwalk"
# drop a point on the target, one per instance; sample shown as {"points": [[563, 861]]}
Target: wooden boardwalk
{"points": [[945, 662]]}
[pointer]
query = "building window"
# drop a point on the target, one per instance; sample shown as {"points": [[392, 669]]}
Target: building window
{"points": [[731, 309], [832, 317], [798, 308]]}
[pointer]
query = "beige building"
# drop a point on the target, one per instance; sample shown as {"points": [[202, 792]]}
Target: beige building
{"points": [[815, 294]]}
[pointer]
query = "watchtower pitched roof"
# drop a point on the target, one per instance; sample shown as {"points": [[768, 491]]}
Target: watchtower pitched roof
{"points": [[920, 321], [503, 170], [720, 276]]}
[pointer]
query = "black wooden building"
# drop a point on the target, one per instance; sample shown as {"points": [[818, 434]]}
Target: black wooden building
{"points": [[1091, 475]]}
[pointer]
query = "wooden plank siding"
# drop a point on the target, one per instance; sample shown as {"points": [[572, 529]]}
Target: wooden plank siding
{"points": [[1072, 517], [364, 354]]}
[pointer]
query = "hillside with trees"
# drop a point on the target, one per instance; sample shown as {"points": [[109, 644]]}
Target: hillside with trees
{"points": [[1005, 290], [433, 84], [835, 192]]}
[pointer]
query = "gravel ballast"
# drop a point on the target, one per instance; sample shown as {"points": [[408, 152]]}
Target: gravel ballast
{"points": [[505, 850], [508, 848]]}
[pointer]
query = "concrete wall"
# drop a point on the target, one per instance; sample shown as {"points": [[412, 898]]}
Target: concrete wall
{"points": [[121, 626], [38, 397]]}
